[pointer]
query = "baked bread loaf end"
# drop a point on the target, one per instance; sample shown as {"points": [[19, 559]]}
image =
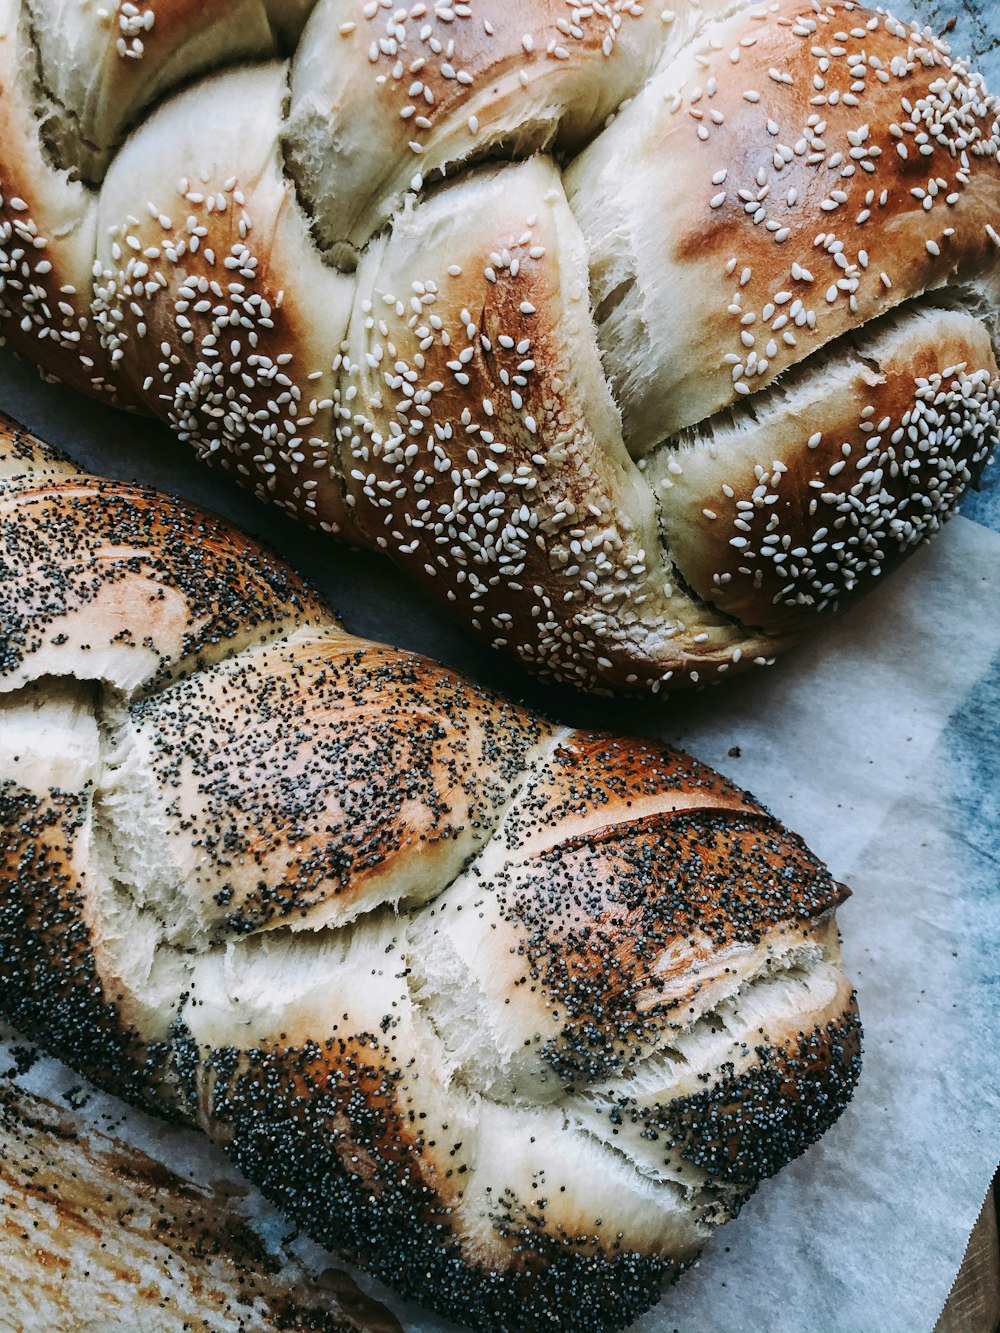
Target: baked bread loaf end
{"points": [[514, 1015], [97, 1237]]}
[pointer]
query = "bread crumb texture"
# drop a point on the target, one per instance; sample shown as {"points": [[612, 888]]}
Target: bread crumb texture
{"points": [[97, 1237]]}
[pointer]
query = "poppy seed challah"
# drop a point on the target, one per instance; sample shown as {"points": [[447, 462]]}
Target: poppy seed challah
{"points": [[704, 360], [511, 1014]]}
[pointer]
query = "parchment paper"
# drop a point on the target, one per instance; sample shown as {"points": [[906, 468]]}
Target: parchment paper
{"points": [[878, 742]]}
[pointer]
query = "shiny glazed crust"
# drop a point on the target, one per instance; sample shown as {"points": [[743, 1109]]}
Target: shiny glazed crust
{"points": [[514, 1015], [629, 333]]}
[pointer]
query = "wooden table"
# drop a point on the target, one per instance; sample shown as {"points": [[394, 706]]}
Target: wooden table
{"points": [[974, 1303]]}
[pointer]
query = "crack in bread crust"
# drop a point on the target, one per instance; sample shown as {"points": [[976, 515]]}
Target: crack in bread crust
{"points": [[806, 493]]}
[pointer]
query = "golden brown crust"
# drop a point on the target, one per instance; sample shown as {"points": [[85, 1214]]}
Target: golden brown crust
{"points": [[48, 227], [25, 460], [814, 201], [229, 336], [838, 167], [485, 453], [595, 781], [591, 897], [798, 509]]}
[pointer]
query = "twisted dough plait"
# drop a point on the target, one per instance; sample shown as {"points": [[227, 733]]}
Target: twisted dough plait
{"points": [[512, 1014], [704, 359]]}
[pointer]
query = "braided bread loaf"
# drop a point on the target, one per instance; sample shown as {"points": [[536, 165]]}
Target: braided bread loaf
{"points": [[512, 1014], [640, 407]]}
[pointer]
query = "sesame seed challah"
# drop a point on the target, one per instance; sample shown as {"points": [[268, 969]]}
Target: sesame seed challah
{"points": [[642, 337], [511, 1014]]}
